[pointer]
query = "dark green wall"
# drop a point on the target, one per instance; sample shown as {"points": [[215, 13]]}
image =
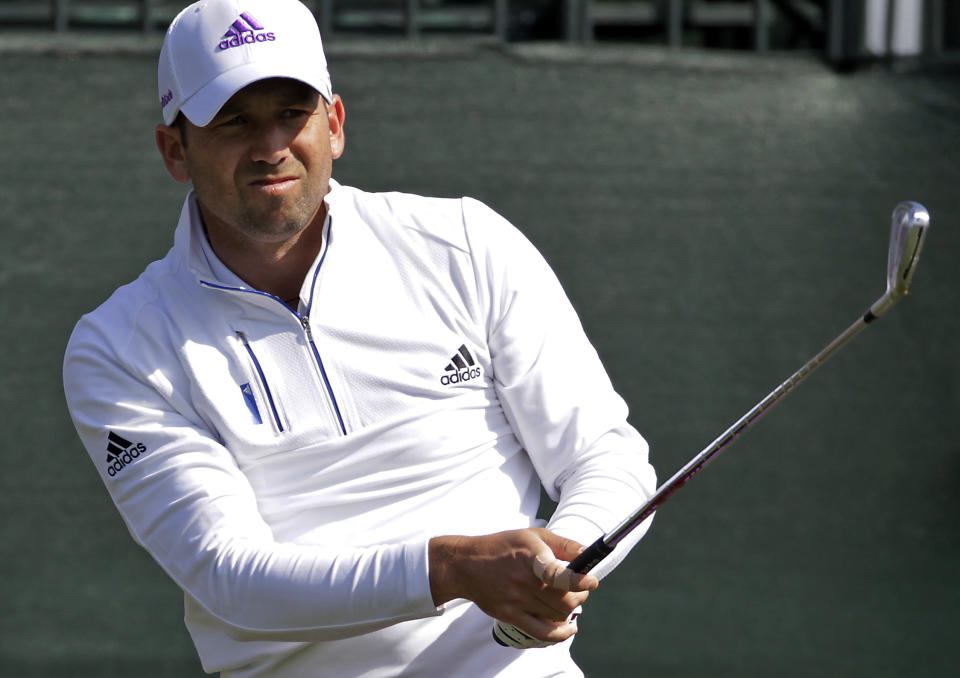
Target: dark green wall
{"points": [[715, 219]]}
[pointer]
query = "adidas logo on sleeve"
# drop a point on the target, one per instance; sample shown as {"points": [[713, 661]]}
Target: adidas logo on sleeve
{"points": [[121, 452], [462, 368]]}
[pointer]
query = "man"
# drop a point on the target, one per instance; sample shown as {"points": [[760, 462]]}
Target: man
{"points": [[327, 414]]}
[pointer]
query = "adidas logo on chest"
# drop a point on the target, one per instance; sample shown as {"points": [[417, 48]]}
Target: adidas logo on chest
{"points": [[462, 367]]}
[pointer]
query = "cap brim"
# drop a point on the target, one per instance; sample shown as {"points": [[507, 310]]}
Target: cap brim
{"points": [[203, 106]]}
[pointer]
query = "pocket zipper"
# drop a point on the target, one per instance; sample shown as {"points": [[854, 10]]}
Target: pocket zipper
{"points": [[262, 378]]}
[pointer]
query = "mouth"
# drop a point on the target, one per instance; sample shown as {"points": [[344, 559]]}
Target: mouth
{"points": [[273, 185]]}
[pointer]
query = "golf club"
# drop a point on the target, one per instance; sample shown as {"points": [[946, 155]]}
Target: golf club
{"points": [[908, 230]]}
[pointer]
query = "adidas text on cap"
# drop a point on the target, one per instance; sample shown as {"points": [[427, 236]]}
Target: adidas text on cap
{"points": [[215, 48]]}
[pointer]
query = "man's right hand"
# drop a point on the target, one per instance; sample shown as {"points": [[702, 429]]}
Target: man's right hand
{"points": [[519, 577]]}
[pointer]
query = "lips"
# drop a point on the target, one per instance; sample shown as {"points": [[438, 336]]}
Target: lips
{"points": [[269, 181], [273, 184]]}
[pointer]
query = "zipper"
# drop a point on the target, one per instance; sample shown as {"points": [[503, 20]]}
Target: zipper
{"points": [[305, 323], [263, 380]]}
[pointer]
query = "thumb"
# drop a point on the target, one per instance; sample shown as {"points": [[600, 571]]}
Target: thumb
{"points": [[552, 571], [562, 548]]}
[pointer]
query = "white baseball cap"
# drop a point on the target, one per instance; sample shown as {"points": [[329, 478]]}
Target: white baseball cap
{"points": [[215, 48]]}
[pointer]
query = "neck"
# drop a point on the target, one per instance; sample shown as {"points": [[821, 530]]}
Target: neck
{"points": [[277, 268]]}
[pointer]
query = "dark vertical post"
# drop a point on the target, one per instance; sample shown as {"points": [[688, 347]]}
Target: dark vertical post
{"points": [[413, 18], [61, 14], [761, 17], [586, 22], [146, 16], [675, 23], [501, 19], [325, 18]]}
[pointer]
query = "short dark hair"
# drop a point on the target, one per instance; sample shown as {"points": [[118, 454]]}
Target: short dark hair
{"points": [[180, 122]]}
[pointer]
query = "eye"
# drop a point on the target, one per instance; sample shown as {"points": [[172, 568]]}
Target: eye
{"points": [[295, 113], [233, 121]]}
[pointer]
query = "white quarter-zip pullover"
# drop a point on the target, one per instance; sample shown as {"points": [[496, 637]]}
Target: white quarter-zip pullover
{"points": [[286, 466]]}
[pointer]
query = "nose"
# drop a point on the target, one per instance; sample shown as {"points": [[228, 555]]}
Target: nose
{"points": [[271, 144]]}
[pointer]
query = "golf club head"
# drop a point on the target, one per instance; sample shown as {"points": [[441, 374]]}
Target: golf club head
{"points": [[907, 232], [910, 223]]}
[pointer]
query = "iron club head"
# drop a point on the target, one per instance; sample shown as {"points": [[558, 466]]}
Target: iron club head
{"points": [[908, 229], [910, 222]]}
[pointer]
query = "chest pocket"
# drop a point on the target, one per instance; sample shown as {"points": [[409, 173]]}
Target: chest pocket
{"points": [[284, 386]]}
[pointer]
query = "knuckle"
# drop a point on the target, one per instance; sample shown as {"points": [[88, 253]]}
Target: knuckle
{"points": [[560, 633], [572, 602]]}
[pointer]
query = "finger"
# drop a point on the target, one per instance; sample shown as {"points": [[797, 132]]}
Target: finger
{"points": [[562, 548], [551, 571], [548, 631], [559, 607], [556, 574]]}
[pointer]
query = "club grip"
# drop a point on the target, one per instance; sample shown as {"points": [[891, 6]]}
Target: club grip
{"points": [[591, 555]]}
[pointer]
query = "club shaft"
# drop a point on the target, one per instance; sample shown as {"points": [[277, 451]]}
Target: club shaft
{"points": [[587, 560]]}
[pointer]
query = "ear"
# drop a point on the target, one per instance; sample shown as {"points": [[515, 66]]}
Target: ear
{"points": [[335, 116], [171, 149]]}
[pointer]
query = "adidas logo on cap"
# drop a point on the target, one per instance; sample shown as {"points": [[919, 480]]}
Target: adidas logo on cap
{"points": [[121, 452], [461, 368], [243, 31]]}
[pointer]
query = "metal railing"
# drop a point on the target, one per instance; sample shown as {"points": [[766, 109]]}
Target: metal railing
{"points": [[837, 27], [671, 16], [411, 16]]}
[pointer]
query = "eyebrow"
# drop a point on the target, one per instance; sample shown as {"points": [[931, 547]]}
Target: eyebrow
{"points": [[300, 96]]}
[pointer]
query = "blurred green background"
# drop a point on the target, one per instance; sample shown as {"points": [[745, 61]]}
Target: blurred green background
{"points": [[716, 220]]}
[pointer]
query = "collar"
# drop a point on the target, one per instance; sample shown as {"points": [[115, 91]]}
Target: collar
{"points": [[190, 239], [193, 246]]}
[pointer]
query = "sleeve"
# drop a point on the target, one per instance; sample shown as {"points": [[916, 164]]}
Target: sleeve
{"points": [[187, 503], [555, 391]]}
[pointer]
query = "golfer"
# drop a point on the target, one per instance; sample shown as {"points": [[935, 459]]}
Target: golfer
{"points": [[328, 414]]}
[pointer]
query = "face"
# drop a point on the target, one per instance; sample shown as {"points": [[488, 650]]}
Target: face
{"points": [[262, 166]]}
